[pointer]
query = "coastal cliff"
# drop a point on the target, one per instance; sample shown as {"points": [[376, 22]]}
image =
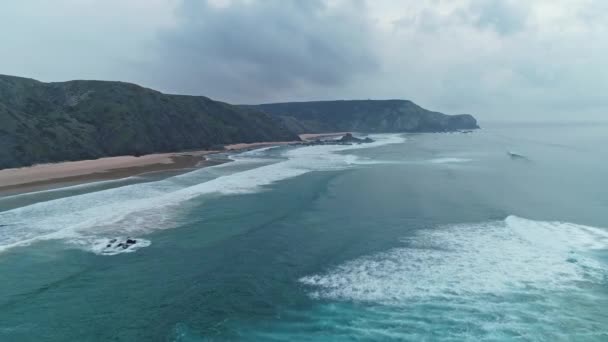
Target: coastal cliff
{"points": [[372, 116], [76, 120]]}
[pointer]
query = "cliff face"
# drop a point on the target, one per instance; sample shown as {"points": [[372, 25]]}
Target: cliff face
{"points": [[50, 122], [364, 116]]}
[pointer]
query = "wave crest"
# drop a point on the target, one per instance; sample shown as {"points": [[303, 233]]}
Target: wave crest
{"points": [[482, 258], [144, 207]]}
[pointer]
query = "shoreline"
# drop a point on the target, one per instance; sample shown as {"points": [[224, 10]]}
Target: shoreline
{"points": [[42, 176], [314, 136]]}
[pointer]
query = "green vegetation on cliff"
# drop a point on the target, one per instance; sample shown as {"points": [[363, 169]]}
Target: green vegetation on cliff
{"points": [[75, 120], [51, 122], [364, 116]]}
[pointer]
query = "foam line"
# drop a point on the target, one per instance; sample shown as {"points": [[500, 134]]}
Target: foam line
{"points": [[70, 187], [449, 160]]}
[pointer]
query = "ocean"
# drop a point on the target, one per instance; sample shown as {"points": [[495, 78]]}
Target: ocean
{"points": [[500, 235]]}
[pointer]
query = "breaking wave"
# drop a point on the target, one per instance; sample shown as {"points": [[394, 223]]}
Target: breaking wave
{"points": [[140, 208], [449, 160], [470, 259]]}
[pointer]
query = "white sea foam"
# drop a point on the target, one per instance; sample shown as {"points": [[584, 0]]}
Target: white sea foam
{"points": [[109, 246], [449, 160], [141, 208], [484, 258], [257, 151], [70, 187]]}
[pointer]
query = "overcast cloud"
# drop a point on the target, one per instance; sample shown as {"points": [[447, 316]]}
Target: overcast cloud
{"points": [[497, 59]]}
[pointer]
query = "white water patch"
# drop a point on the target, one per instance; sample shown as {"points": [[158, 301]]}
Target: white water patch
{"points": [[141, 208], [71, 187], [450, 160], [257, 151], [109, 246], [473, 259], [259, 155]]}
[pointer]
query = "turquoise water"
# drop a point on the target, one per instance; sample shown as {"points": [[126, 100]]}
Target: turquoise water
{"points": [[415, 237]]}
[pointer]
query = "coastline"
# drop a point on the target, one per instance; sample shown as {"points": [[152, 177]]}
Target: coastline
{"points": [[314, 136], [42, 176]]}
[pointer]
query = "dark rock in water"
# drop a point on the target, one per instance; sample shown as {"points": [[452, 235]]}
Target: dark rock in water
{"points": [[518, 156], [128, 242], [122, 245], [349, 138]]}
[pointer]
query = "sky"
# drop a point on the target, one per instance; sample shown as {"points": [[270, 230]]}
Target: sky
{"points": [[496, 59]]}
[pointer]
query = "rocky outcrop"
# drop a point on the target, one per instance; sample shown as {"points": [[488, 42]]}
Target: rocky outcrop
{"points": [[348, 138], [118, 245]]}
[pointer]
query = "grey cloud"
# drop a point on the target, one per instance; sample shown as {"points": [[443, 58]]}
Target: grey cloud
{"points": [[499, 15], [491, 58], [426, 21], [254, 51]]}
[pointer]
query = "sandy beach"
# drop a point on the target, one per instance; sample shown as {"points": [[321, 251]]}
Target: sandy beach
{"points": [[40, 176], [249, 146]]}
